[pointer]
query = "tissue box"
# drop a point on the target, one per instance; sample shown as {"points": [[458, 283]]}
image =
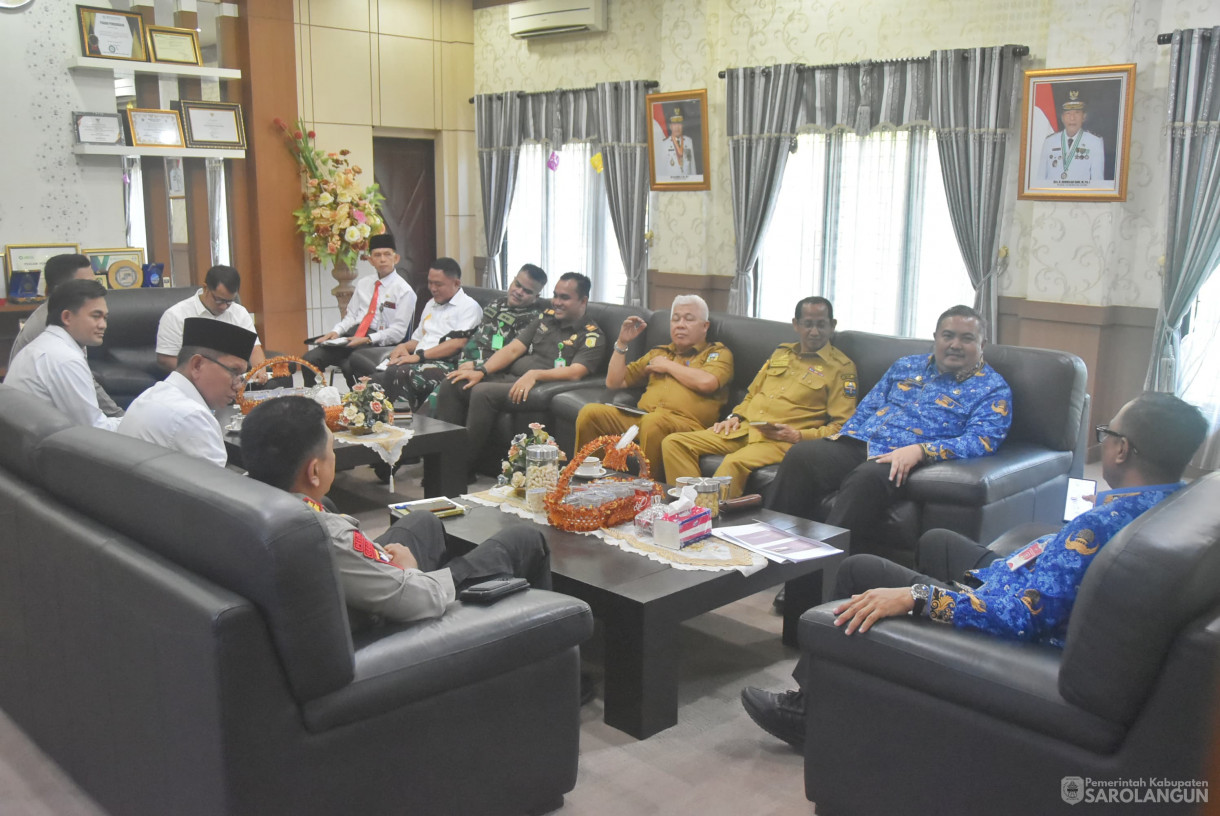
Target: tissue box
{"points": [[677, 530]]}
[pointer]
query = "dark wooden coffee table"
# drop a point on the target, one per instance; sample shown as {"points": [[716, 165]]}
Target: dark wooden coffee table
{"points": [[440, 444], [641, 602]]}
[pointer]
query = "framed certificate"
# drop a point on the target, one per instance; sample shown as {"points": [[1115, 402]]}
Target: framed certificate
{"points": [[154, 128], [213, 124], [117, 268], [111, 34], [177, 45], [98, 128], [25, 282]]}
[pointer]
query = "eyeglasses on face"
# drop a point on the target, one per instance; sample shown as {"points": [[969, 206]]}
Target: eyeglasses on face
{"points": [[221, 301], [1102, 431], [236, 374]]}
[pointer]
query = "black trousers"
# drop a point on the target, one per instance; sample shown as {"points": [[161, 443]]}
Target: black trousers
{"points": [[476, 408], [517, 551], [943, 556], [323, 356], [815, 468]]}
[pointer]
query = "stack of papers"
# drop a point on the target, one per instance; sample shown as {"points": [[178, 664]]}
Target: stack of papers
{"points": [[774, 543]]}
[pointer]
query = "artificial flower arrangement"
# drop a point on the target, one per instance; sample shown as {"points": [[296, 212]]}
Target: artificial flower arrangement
{"points": [[336, 215], [512, 469], [365, 406]]}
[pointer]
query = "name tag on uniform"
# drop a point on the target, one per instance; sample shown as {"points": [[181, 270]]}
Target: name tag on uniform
{"points": [[1023, 557], [497, 341], [560, 362]]}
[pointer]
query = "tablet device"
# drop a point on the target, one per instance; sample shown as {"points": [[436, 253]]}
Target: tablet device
{"points": [[1076, 501], [626, 409]]}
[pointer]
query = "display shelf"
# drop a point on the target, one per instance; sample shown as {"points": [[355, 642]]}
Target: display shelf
{"points": [[79, 63], [167, 152], [20, 307]]}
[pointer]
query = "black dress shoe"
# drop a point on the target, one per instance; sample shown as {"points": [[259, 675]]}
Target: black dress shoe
{"points": [[780, 714]]}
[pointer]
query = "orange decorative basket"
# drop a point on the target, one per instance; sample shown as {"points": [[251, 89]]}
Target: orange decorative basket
{"points": [[279, 368], [619, 511]]}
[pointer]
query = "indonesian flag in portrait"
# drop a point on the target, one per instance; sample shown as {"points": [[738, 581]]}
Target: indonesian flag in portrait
{"points": [[660, 127], [1045, 119]]}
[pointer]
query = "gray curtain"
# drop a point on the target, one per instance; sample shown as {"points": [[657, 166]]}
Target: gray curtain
{"points": [[763, 105], [559, 117], [1193, 236], [973, 99], [497, 128], [623, 118], [865, 95]]}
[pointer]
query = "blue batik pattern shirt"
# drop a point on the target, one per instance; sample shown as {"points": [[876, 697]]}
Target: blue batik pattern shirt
{"points": [[950, 416], [1033, 601]]}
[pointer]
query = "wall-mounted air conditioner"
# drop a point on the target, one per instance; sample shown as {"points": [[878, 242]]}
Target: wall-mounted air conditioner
{"points": [[541, 18]]}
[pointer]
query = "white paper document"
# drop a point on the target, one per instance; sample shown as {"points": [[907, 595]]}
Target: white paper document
{"points": [[774, 543], [337, 341], [383, 365]]}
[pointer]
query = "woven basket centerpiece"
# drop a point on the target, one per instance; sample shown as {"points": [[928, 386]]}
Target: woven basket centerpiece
{"points": [[585, 518]]}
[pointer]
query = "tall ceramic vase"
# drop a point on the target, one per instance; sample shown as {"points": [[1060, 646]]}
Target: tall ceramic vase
{"points": [[344, 274]]}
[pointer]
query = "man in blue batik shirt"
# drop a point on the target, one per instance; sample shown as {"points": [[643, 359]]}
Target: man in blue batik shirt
{"points": [[1028, 595], [949, 405]]}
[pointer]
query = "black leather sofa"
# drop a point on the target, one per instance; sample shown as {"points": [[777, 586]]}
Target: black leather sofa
{"points": [[174, 636], [917, 717], [1026, 480], [126, 363]]}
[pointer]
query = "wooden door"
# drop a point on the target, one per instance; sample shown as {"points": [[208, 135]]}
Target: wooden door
{"points": [[405, 169]]}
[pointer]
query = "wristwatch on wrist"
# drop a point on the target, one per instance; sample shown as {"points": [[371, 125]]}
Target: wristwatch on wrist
{"points": [[919, 593], [481, 369], [620, 349]]}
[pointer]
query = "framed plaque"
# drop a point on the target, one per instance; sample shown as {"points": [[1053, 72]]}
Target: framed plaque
{"points": [[25, 282], [98, 128], [117, 268], [176, 45], [154, 128], [111, 34], [213, 124]]}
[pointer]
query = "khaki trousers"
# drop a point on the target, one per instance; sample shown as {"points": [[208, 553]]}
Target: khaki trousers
{"points": [[681, 453], [597, 420]]}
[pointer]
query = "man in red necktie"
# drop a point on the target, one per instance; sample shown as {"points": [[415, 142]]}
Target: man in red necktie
{"points": [[378, 314]]}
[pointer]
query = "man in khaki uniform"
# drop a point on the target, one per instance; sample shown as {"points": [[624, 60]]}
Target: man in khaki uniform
{"points": [[687, 382], [806, 390]]}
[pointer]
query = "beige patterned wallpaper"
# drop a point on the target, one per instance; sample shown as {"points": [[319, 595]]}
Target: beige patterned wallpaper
{"points": [[1095, 254]]}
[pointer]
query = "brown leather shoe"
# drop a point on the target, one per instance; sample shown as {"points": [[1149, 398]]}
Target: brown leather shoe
{"points": [[780, 714]]}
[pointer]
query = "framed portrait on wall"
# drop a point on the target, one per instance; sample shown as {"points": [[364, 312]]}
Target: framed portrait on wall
{"points": [[1076, 133], [677, 141], [111, 34]]}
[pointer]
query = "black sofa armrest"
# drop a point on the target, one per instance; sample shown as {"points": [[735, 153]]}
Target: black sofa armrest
{"points": [[1009, 680], [975, 482], [396, 666], [542, 393], [364, 361]]}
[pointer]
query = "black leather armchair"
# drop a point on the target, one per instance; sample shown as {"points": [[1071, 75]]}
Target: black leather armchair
{"points": [[917, 717], [126, 363], [174, 636]]}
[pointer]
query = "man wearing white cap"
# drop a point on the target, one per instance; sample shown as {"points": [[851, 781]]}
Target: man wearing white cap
{"points": [[176, 413]]}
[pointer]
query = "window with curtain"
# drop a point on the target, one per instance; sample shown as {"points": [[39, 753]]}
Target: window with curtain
{"points": [[864, 222], [560, 220], [1200, 368]]}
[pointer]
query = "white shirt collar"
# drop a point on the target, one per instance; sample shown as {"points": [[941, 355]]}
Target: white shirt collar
{"points": [[187, 388], [62, 333]]}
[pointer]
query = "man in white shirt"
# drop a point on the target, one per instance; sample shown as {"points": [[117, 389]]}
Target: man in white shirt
{"points": [[378, 314], [451, 316], [54, 367], [61, 269], [177, 413], [217, 300]]}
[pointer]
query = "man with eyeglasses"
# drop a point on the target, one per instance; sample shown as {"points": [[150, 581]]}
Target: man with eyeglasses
{"points": [[1025, 596], [217, 300], [806, 390], [177, 413]]}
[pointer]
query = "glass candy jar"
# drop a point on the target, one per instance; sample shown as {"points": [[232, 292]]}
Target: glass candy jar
{"points": [[541, 467], [707, 494]]}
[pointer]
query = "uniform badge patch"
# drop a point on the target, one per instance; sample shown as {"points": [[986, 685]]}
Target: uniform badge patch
{"points": [[590, 342], [849, 387], [713, 356]]}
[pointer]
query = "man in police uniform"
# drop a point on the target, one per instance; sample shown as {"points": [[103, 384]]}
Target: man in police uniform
{"points": [[502, 319], [560, 345], [806, 390], [947, 405], [176, 413], [1073, 157], [687, 382], [675, 160]]}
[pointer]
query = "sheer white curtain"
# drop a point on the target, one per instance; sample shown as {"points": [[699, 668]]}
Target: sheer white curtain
{"points": [[841, 230], [560, 220], [1200, 368]]}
